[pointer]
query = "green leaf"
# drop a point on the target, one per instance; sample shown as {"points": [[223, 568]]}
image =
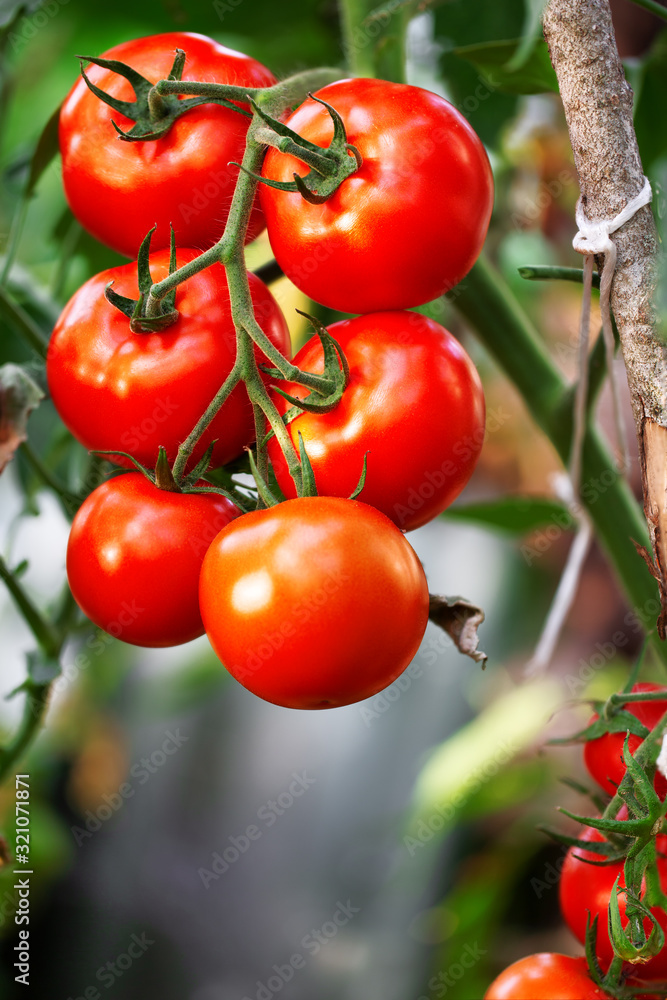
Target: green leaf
{"points": [[45, 150], [42, 669], [494, 61], [518, 515], [530, 36], [650, 115]]}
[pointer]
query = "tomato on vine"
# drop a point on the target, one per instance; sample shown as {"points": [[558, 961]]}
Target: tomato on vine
{"points": [[115, 389], [587, 888], [545, 976], [414, 406], [403, 229], [134, 556], [604, 756], [314, 603], [119, 189]]}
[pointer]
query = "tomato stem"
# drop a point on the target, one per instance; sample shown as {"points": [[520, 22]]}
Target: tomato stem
{"points": [[229, 252]]}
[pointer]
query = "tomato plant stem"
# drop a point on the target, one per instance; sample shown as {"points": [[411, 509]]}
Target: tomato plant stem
{"points": [[33, 711], [23, 323], [43, 631], [229, 252]]}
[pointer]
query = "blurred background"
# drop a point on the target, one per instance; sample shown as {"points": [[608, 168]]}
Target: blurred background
{"points": [[397, 856]]}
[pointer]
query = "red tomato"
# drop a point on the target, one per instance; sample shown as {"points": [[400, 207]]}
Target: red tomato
{"points": [[414, 403], [408, 225], [585, 887], [137, 391], [545, 976], [118, 190], [604, 756], [315, 603], [134, 556]]}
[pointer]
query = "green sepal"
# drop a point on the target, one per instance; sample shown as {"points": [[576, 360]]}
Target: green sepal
{"points": [[152, 113], [642, 785], [618, 827], [362, 480], [135, 309], [637, 912], [603, 848], [308, 485], [335, 379], [243, 504], [201, 467], [263, 489], [620, 942], [329, 166], [163, 478], [621, 722]]}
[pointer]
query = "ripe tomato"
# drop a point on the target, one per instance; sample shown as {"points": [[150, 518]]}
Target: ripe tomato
{"points": [[134, 556], [117, 189], [545, 976], [585, 887], [604, 756], [408, 225], [137, 391], [414, 403], [315, 603]]}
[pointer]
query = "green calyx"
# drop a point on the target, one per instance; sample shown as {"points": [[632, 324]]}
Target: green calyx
{"points": [[329, 166], [136, 309], [162, 477], [152, 112]]}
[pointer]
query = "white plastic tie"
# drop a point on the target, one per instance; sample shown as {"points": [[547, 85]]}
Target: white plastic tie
{"points": [[595, 238]]}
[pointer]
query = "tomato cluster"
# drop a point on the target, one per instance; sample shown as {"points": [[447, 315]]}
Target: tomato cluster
{"points": [[317, 600], [589, 880]]}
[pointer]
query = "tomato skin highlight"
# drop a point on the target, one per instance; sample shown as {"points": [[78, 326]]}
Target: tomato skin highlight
{"points": [[134, 556], [115, 389], [545, 976], [585, 887], [604, 756], [117, 189], [315, 603], [408, 225], [414, 403]]}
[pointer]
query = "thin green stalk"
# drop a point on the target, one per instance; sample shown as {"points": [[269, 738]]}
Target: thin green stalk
{"points": [[44, 632], [229, 251], [64, 495], [374, 37], [33, 712], [546, 272], [187, 447], [18, 222], [23, 322], [505, 330]]}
